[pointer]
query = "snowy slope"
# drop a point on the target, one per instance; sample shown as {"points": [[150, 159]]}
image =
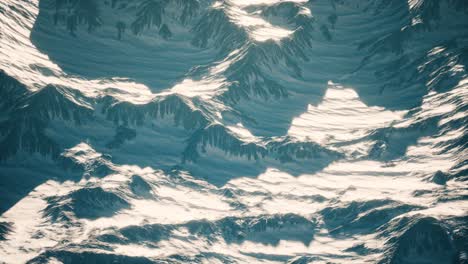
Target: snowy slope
{"points": [[235, 131]]}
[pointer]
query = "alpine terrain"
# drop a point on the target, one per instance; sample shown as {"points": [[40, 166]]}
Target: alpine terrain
{"points": [[234, 131]]}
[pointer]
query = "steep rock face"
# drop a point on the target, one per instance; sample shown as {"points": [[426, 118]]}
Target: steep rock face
{"points": [[215, 28], [138, 234], [140, 187], [434, 69], [146, 14], [153, 13], [250, 73], [149, 14], [25, 134], [73, 13], [298, 44], [10, 90], [282, 149], [460, 236], [265, 228], [304, 24], [32, 113], [85, 161], [72, 257], [400, 55], [429, 12], [442, 66], [303, 260], [262, 228], [391, 143], [424, 240], [291, 12], [5, 229], [248, 77], [287, 149], [439, 178], [362, 217], [218, 136], [183, 112], [57, 102], [24, 130], [90, 203]]}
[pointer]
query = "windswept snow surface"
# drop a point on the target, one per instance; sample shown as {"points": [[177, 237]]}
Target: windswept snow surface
{"points": [[234, 131]]}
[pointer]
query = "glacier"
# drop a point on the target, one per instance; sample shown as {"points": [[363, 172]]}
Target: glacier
{"points": [[234, 131]]}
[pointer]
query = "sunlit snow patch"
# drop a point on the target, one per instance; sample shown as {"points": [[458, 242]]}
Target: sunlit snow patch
{"points": [[205, 88], [243, 133], [341, 116], [258, 28]]}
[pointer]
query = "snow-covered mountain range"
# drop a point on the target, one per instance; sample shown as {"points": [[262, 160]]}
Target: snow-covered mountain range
{"points": [[233, 131]]}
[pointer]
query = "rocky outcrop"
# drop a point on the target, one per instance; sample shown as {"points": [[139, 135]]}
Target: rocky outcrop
{"points": [[419, 239], [89, 203], [181, 110]]}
